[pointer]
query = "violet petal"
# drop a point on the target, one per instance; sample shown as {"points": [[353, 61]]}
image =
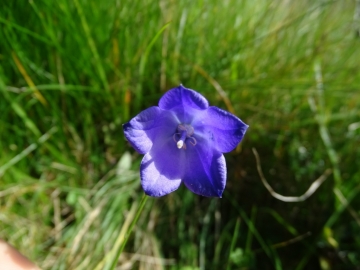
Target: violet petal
{"points": [[222, 129], [184, 102], [148, 126], [205, 172], [162, 169]]}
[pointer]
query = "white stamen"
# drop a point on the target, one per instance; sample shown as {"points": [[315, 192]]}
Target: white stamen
{"points": [[180, 144]]}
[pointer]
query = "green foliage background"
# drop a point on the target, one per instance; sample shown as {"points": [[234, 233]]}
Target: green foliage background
{"points": [[72, 72]]}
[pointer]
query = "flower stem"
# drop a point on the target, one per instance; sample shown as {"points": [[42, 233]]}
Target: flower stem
{"points": [[128, 232]]}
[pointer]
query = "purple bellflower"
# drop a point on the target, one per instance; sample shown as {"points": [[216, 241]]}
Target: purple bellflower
{"points": [[183, 140]]}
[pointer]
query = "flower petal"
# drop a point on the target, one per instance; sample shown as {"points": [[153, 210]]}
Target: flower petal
{"points": [[185, 102], [205, 172], [162, 169], [148, 126], [221, 128]]}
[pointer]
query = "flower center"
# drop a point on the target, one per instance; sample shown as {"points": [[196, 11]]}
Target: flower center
{"points": [[184, 132]]}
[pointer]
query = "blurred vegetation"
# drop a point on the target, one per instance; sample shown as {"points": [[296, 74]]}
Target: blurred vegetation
{"points": [[72, 72]]}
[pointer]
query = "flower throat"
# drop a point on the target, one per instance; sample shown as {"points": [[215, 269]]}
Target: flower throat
{"points": [[184, 133]]}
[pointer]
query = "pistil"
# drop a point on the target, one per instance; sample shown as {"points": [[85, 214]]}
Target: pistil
{"points": [[181, 142]]}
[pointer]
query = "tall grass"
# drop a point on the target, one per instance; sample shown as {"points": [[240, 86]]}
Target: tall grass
{"points": [[72, 72]]}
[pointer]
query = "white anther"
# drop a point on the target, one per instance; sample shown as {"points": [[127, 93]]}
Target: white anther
{"points": [[180, 144]]}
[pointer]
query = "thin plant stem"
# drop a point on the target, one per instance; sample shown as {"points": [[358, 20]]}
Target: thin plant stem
{"points": [[129, 231], [233, 242]]}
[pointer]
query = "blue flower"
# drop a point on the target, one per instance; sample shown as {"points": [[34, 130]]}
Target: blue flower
{"points": [[183, 140]]}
